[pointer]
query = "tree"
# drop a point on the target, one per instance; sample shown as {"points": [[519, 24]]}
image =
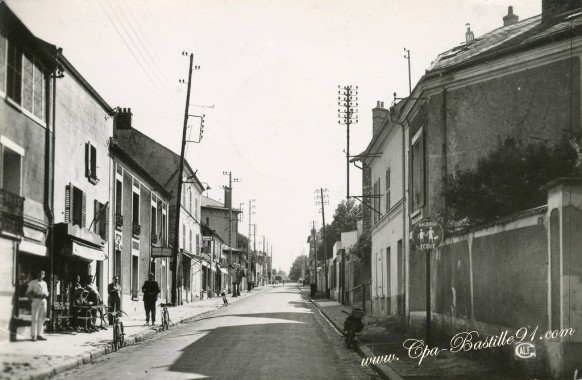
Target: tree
{"points": [[299, 263], [508, 180], [242, 242], [345, 219]]}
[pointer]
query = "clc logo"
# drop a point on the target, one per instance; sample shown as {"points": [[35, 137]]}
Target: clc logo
{"points": [[525, 350]]}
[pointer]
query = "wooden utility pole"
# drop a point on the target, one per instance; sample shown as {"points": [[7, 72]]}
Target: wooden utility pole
{"points": [[175, 253]]}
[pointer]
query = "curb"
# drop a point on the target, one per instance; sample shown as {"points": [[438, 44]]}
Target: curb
{"points": [[89, 356], [384, 370]]}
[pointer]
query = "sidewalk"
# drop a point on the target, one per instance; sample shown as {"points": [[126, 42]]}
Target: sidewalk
{"points": [[25, 359], [378, 339]]}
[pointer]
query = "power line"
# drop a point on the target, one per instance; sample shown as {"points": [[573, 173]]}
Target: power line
{"points": [[131, 51], [160, 73]]}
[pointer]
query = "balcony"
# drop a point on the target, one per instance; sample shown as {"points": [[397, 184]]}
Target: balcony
{"points": [[118, 221], [136, 230], [11, 209]]}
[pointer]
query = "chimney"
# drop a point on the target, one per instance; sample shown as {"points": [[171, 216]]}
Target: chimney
{"points": [[227, 197], [122, 118], [510, 18], [378, 115], [553, 8]]}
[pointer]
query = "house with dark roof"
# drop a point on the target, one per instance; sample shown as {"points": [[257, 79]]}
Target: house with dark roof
{"points": [[184, 239], [520, 82]]}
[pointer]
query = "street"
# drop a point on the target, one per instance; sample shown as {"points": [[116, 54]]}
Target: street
{"points": [[276, 333]]}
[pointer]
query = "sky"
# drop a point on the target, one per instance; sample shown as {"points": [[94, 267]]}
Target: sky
{"points": [[267, 84]]}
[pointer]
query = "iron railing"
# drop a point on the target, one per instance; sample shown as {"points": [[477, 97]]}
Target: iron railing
{"points": [[11, 211]]}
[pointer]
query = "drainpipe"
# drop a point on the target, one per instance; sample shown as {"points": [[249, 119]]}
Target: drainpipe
{"points": [[49, 193], [444, 153]]}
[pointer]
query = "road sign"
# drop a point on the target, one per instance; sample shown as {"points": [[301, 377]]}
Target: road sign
{"points": [[427, 235], [161, 252]]}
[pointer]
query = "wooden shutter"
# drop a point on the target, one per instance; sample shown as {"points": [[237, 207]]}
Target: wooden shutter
{"points": [[68, 196], [83, 210], [105, 234], [93, 159], [96, 209]]}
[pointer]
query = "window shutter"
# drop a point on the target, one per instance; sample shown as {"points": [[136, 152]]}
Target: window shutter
{"points": [[68, 196], [83, 210], [106, 216], [421, 171], [96, 209], [409, 190], [87, 160]]}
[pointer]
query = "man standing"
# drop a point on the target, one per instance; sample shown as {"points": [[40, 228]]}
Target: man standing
{"points": [[150, 290], [114, 290], [38, 292]]}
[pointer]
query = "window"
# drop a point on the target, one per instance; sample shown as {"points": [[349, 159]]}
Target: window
{"points": [[101, 220], [154, 229], [183, 236], [118, 197], [135, 212], [91, 163], [417, 172], [189, 199], [197, 244], [11, 169], [14, 73], [75, 206], [190, 240], [164, 223], [388, 190]]}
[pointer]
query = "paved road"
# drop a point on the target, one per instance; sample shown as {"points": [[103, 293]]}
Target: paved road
{"points": [[275, 334]]}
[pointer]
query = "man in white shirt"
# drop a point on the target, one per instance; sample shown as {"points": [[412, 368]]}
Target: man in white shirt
{"points": [[38, 293]]}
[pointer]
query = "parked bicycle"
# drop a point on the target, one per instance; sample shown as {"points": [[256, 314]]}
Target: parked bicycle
{"points": [[353, 324], [118, 332], [165, 316]]}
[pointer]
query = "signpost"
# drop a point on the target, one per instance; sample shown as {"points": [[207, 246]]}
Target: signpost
{"points": [[427, 235]]}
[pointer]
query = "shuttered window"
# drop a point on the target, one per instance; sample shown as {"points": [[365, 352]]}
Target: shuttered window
{"points": [[101, 219], [14, 73], [91, 163], [75, 206], [417, 177]]}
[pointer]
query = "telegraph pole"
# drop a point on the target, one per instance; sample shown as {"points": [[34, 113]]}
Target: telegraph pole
{"points": [[314, 254], [348, 98], [179, 194], [323, 200], [235, 291]]}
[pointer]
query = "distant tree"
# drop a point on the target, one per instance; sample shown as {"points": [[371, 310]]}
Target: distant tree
{"points": [[242, 242], [345, 219], [299, 263], [508, 180]]}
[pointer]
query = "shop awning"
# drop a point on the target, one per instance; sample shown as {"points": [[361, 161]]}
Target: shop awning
{"points": [[88, 253], [223, 270]]}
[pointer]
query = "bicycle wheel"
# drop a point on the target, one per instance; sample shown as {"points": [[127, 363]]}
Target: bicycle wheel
{"points": [[121, 335], [115, 343], [166, 320]]}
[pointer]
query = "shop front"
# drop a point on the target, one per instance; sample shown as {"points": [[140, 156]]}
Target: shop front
{"points": [[78, 254]]}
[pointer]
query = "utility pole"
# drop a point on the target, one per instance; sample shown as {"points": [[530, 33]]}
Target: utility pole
{"points": [[322, 200], [235, 291], [179, 193], [348, 98], [407, 57], [314, 243], [264, 257]]}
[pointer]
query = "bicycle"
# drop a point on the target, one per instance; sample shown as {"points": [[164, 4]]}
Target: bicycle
{"points": [[165, 316], [118, 333]]}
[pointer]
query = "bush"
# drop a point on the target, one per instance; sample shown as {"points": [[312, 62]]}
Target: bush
{"points": [[508, 179]]}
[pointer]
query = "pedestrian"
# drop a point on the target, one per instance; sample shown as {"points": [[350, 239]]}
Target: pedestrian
{"points": [[224, 300], [150, 290], [249, 285], [114, 300], [37, 292]]}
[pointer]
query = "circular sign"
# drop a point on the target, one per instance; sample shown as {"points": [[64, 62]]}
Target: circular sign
{"points": [[427, 235]]}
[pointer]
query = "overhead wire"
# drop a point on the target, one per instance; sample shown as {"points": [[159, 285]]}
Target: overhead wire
{"points": [[158, 71], [129, 48]]}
